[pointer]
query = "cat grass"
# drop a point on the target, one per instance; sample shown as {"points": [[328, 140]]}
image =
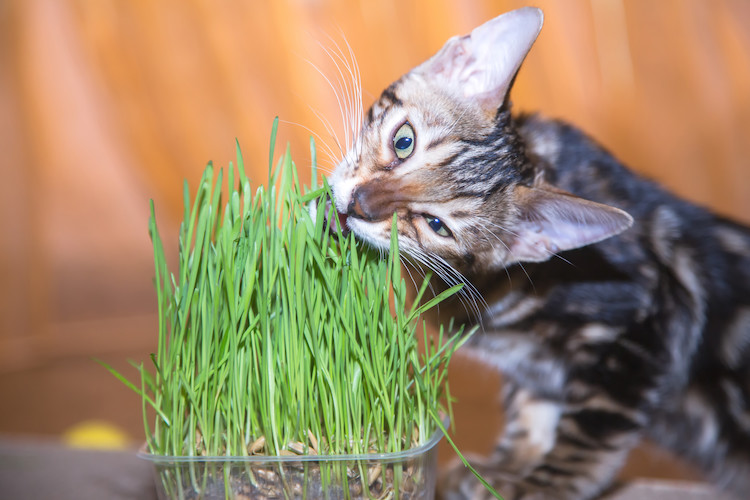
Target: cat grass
{"points": [[279, 334]]}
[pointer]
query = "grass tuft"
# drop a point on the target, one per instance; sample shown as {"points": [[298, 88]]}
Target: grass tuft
{"points": [[278, 333]]}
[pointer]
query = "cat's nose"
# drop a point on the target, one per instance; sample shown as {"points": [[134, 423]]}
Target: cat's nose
{"points": [[355, 208], [375, 200]]}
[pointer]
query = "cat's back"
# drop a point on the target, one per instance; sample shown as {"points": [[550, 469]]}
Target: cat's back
{"points": [[574, 162], [678, 251]]}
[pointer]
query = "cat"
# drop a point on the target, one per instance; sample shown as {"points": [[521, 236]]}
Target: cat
{"points": [[614, 310]]}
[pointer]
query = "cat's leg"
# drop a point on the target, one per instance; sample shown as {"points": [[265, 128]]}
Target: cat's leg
{"points": [[525, 440], [550, 450]]}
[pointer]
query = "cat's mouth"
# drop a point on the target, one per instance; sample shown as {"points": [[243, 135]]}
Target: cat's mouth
{"points": [[342, 222], [342, 218]]}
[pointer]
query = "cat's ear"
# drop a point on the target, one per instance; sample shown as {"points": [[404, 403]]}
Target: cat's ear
{"points": [[552, 221], [481, 66]]}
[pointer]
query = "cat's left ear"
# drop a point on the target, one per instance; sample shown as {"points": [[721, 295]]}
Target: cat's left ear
{"points": [[552, 221], [481, 66]]}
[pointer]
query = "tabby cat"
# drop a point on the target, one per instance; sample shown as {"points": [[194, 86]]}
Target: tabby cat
{"points": [[615, 310]]}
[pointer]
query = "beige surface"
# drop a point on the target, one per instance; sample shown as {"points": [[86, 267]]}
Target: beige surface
{"points": [[45, 470], [665, 490], [34, 469]]}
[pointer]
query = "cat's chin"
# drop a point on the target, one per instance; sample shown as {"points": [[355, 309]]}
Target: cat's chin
{"points": [[364, 231]]}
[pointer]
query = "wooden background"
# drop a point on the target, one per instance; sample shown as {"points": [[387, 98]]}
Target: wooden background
{"points": [[105, 104]]}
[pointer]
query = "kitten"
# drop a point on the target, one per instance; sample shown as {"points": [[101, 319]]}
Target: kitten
{"points": [[615, 310]]}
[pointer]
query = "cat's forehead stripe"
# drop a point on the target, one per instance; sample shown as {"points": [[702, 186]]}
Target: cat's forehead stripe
{"points": [[389, 95], [388, 100]]}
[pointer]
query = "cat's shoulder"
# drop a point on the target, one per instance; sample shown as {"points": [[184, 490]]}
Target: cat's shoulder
{"points": [[558, 141], [575, 161]]}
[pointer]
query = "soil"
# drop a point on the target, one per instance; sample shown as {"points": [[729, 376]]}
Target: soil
{"points": [[309, 480]]}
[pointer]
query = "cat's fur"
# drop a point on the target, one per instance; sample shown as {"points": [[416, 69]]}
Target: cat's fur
{"points": [[615, 310]]}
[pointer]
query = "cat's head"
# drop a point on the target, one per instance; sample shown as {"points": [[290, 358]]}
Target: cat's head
{"points": [[439, 149]]}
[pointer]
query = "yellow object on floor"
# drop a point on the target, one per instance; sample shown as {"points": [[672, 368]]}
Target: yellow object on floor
{"points": [[96, 434]]}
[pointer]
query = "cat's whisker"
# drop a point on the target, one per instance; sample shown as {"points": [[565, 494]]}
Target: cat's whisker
{"points": [[451, 277], [357, 113], [419, 268], [424, 260], [348, 83], [326, 149], [329, 161], [337, 90], [407, 263], [436, 269], [517, 235], [357, 86], [483, 223], [331, 131], [348, 94], [559, 256], [350, 61], [510, 251], [326, 170], [326, 165], [487, 231]]}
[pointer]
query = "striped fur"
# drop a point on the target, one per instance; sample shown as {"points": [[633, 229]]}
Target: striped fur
{"points": [[615, 310]]}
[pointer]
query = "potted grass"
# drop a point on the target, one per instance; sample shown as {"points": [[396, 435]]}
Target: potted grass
{"points": [[289, 364]]}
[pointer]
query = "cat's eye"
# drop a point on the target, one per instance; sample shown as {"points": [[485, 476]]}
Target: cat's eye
{"points": [[403, 141], [437, 226]]}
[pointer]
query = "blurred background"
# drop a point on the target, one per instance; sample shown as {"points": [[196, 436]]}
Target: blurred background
{"points": [[106, 104]]}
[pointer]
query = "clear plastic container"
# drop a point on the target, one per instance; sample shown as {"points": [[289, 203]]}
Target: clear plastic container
{"points": [[406, 475]]}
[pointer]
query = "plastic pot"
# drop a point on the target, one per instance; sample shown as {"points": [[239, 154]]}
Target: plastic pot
{"points": [[409, 474]]}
